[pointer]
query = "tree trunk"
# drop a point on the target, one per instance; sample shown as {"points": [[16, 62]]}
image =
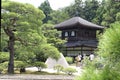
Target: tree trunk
{"points": [[11, 54]]}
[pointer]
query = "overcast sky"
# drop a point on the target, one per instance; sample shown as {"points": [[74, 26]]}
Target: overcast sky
{"points": [[55, 4]]}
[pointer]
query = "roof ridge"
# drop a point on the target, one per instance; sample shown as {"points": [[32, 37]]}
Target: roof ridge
{"points": [[77, 20]]}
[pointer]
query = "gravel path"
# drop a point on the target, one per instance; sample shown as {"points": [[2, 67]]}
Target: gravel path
{"points": [[35, 77]]}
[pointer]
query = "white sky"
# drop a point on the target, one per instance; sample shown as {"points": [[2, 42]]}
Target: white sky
{"points": [[55, 4]]}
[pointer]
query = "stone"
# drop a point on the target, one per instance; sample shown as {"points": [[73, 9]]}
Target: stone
{"points": [[52, 62]]}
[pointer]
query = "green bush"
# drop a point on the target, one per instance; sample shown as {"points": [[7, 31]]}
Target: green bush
{"points": [[58, 67], [89, 75], [20, 65], [1, 69], [4, 56], [4, 65], [109, 50], [69, 70], [49, 51], [40, 65], [90, 71], [69, 60], [110, 73]]}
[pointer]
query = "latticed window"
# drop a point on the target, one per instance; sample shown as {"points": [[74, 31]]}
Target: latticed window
{"points": [[73, 33], [66, 34]]}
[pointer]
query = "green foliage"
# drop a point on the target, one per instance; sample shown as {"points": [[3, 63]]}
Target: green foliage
{"points": [[69, 70], [58, 67], [91, 71], [40, 65], [118, 16], [99, 13], [89, 75], [24, 22], [59, 16], [111, 9], [4, 65], [45, 7], [20, 64], [52, 35], [46, 50], [1, 69], [109, 50], [3, 43], [4, 56], [40, 55], [90, 9], [28, 56], [26, 29], [75, 9], [50, 51], [69, 60], [108, 73], [21, 23]]}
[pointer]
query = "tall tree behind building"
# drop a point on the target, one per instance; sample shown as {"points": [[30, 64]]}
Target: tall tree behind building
{"points": [[45, 7], [75, 9], [90, 8], [108, 12], [99, 13], [59, 16]]}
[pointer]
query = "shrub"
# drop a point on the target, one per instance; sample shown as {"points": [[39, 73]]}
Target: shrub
{"points": [[89, 74], [110, 73], [40, 65], [90, 71], [1, 69], [69, 70], [109, 50], [4, 65], [69, 60], [4, 56], [58, 67], [50, 51], [20, 65]]}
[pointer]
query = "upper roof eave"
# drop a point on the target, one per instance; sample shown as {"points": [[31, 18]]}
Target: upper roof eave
{"points": [[77, 20]]}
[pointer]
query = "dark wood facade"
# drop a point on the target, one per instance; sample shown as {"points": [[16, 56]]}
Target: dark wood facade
{"points": [[80, 35]]}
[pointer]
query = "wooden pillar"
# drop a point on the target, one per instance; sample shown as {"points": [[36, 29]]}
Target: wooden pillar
{"points": [[66, 51], [81, 49]]}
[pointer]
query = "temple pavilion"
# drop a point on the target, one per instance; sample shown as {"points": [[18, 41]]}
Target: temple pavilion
{"points": [[80, 35]]}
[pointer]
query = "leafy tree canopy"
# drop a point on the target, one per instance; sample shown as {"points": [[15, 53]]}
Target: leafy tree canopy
{"points": [[46, 8], [52, 35], [111, 9], [21, 23], [110, 47]]}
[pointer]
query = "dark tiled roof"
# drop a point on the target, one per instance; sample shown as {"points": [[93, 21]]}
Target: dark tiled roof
{"points": [[87, 43], [77, 20]]}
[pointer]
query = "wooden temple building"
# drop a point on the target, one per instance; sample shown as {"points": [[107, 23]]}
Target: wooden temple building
{"points": [[80, 35]]}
